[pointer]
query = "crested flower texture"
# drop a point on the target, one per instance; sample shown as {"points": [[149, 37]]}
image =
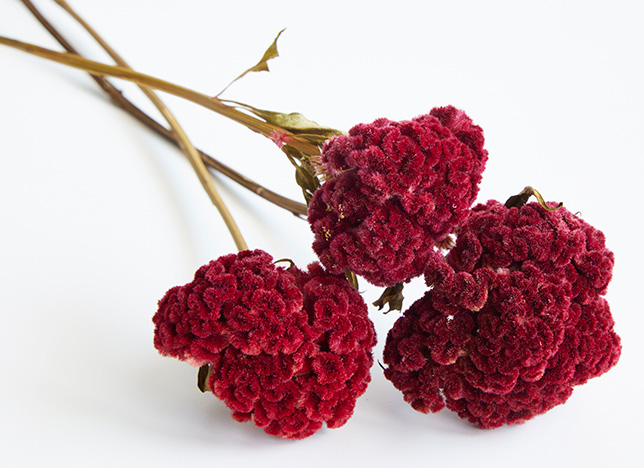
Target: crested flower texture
{"points": [[287, 349], [514, 320], [394, 189]]}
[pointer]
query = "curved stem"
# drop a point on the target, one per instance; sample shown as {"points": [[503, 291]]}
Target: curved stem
{"points": [[214, 104], [186, 146], [522, 198], [296, 208]]}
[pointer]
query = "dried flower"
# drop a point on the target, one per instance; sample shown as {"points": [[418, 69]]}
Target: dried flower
{"points": [[288, 349], [393, 189], [514, 319], [558, 242]]}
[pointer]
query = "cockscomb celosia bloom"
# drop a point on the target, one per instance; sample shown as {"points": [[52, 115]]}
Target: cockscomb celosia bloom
{"points": [[514, 320], [392, 190], [558, 242], [288, 349]]}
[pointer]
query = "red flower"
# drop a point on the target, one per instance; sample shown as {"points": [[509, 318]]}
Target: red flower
{"points": [[557, 242], [514, 319], [393, 189], [289, 350]]}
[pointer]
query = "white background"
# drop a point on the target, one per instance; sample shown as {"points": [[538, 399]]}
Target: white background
{"points": [[99, 217]]}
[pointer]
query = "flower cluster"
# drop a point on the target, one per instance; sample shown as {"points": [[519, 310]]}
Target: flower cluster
{"points": [[515, 318], [288, 349], [392, 190]]}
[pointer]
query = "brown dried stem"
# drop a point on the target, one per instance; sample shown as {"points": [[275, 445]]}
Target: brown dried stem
{"points": [[296, 208], [522, 198], [264, 128], [179, 134]]}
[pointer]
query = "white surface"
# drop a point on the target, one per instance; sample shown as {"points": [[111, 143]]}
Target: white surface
{"points": [[99, 216]]}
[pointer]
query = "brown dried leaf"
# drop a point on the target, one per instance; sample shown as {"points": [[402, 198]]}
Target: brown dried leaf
{"points": [[352, 278], [391, 296], [202, 378]]}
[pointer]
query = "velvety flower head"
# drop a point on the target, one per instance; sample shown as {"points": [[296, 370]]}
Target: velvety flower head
{"points": [[494, 366], [514, 319], [394, 189], [557, 242], [288, 349]]}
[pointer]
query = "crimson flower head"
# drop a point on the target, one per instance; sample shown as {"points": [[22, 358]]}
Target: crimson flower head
{"points": [[394, 189], [287, 349], [514, 320], [557, 242]]}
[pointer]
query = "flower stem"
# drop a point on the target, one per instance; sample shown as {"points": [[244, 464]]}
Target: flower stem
{"points": [[181, 137], [214, 104], [522, 198], [192, 155], [296, 208]]}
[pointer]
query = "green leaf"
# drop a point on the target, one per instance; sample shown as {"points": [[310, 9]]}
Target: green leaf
{"points": [[262, 65]]}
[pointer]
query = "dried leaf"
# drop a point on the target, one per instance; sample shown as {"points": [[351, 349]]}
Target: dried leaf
{"points": [[303, 179], [270, 53], [293, 122], [305, 175], [262, 65], [352, 278], [202, 378], [392, 296], [306, 179]]}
